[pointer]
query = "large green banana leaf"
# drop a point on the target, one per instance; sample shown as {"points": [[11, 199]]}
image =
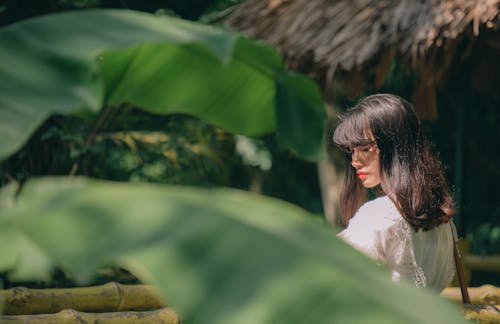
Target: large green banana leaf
{"points": [[219, 256], [85, 60]]}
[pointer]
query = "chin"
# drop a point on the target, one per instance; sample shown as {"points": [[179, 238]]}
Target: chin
{"points": [[370, 184]]}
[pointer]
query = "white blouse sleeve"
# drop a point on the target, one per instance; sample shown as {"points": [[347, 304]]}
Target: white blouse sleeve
{"points": [[399, 254], [424, 258], [380, 232], [366, 230]]}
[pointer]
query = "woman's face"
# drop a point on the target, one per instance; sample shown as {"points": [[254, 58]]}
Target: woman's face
{"points": [[365, 159]]}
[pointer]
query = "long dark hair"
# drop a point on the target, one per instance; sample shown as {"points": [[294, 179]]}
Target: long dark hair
{"points": [[411, 176]]}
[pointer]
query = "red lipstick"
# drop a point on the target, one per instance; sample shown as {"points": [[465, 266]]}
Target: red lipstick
{"points": [[362, 175]]}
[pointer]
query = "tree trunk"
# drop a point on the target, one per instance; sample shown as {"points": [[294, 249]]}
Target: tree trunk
{"points": [[330, 183], [330, 178]]}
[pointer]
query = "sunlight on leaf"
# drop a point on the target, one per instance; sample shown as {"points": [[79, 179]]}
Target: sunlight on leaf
{"points": [[161, 64]]}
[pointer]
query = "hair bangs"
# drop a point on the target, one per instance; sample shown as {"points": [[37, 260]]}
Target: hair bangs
{"points": [[353, 130]]}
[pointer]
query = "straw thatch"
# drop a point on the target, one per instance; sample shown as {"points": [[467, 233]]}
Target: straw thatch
{"points": [[356, 40]]}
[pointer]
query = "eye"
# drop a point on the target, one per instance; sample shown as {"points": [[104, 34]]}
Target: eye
{"points": [[348, 151], [365, 148]]}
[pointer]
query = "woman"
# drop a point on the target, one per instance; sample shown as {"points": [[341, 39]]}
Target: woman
{"points": [[408, 226]]}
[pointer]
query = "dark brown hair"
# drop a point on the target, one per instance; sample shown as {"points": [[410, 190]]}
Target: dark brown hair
{"points": [[411, 176]]}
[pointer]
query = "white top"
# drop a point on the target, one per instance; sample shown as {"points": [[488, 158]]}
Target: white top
{"points": [[424, 258]]}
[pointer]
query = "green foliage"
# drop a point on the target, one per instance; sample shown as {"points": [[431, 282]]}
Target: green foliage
{"points": [[399, 80], [227, 80], [295, 98], [77, 4], [221, 4], [218, 255], [254, 153], [15, 10], [293, 180], [189, 152], [131, 146], [485, 239]]}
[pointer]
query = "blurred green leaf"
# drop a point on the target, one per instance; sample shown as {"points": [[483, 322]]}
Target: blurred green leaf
{"points": [[485, 239], [83, 60], [220, 256], [298, 124], [21, 257]]}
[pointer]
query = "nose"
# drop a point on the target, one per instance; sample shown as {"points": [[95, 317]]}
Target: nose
{"points": [[356, 164], [355, 161]]}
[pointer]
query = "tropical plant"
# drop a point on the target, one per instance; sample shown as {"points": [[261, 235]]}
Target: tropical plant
{"points": [[218, 255], [130, 145], [107, 57]]}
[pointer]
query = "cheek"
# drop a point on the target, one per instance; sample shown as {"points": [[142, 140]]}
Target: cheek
{"points": [[377, 176], [376, 168]]}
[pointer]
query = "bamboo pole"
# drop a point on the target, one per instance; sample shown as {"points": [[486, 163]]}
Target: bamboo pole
{"points": [[483, 313], [105, 298], [482, 263], [71, 316], [486, 294]]}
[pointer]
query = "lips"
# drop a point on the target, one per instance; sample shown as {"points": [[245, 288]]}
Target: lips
{"points": [[362, 175]]}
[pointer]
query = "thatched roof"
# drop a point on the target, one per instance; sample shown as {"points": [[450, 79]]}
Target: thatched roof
{"points": [[359, 38]]}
